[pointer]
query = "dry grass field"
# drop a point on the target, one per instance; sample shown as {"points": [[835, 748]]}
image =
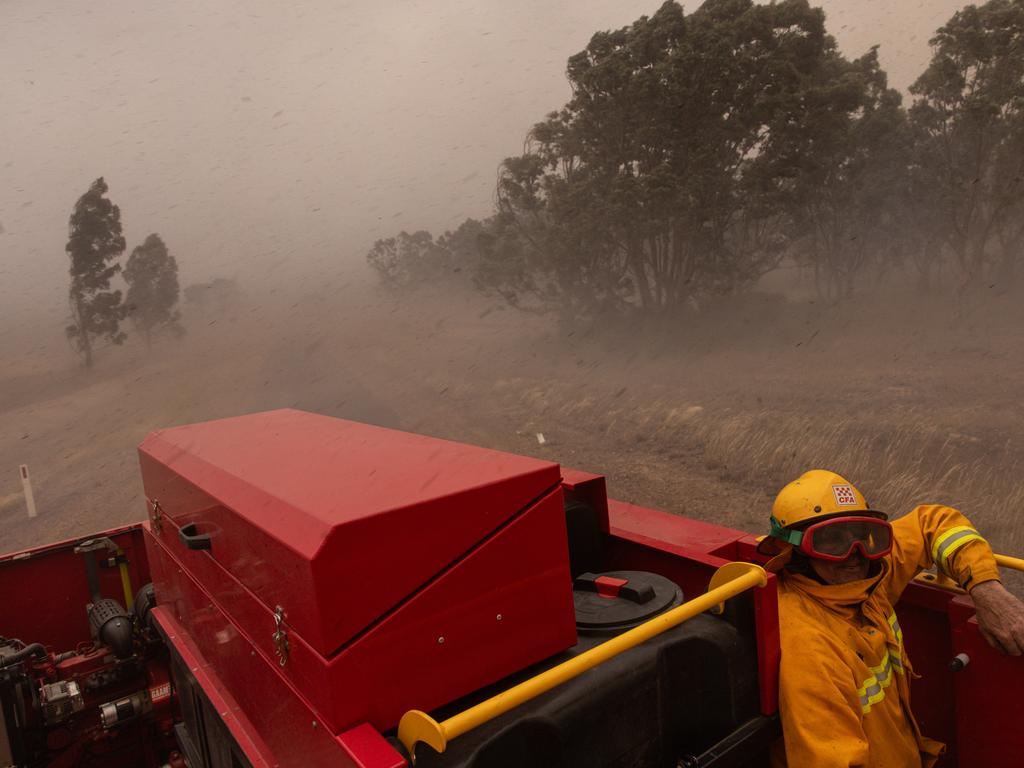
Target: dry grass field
{"points": [[914, 403]]}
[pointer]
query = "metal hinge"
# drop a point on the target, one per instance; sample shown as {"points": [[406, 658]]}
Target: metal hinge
{"points": [[156, 517], [280, 636]]}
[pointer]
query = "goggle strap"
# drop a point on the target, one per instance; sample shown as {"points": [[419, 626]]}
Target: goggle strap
{"points": [[788, 535]]}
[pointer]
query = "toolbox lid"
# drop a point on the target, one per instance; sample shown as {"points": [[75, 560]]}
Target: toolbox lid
{"points": [[336, 521]]}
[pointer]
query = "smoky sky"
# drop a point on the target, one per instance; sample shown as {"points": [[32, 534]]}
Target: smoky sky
{"points": [[282, 139]]}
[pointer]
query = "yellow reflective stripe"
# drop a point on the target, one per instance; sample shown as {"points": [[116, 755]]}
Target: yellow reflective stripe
{"points": [[895, 624], [872, 690], [870, 693], [941, 539], [949, 542], [883, 672], [897, 664], [953, 546], [875, 698]]}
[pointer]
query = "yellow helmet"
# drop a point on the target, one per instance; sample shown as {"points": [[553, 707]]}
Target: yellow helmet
{"points": [[816, 495]]}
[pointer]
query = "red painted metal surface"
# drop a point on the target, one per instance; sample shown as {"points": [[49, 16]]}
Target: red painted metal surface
{"points": [[369, 749], [519, 573], [506, 603], [269, 718], [296, 509], [989, 725], [241, 730], [297, 504], [681, 534], [766, 623], [44, 590], [924, 618]]}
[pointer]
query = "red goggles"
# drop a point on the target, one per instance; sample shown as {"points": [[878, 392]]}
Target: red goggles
{"points": [[836, 539]]}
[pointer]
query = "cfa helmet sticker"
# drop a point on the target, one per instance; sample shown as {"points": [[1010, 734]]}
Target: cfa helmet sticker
{"points": [[845, 495]]}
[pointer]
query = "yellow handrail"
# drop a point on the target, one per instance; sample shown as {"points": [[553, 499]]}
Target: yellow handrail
{"points": [[416, 726], [942, 581], [1010, 562]]}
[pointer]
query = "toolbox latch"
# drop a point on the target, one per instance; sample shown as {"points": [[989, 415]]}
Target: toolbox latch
{"points": [[157, 517], [280, 636]]}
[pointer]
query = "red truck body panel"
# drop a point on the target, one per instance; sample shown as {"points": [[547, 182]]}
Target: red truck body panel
{"points": [[393, 557], [335, 520], [396, 559]]}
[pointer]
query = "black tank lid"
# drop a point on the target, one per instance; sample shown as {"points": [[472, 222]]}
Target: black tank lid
{"points": [[614, 601]]}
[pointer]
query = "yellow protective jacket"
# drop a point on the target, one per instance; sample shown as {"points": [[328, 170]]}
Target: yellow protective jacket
{"points": [[844, 690]]}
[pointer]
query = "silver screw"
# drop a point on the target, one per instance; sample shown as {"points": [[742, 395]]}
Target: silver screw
{"points": [[498, 617], [440, 640]]}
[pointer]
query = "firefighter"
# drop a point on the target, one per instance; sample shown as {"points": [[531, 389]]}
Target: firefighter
{"points": [[844, 688]]}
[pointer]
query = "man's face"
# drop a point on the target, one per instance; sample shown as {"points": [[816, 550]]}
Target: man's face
{"points": [[854, 567]]}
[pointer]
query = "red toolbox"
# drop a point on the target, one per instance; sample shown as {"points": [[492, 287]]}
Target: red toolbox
{"points": [[373, 570]]}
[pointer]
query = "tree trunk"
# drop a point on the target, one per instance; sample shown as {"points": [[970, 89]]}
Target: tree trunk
{"points": [[85, 344], [638, 266], [924, 269], [1006, 269]]}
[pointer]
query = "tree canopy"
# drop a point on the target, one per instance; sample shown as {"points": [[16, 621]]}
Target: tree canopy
{"points": [[700, 151], [969, 118], [94, 243], [152, 298]]}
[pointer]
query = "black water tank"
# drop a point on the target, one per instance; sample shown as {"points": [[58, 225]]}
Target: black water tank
{"points": [[677, 694]]}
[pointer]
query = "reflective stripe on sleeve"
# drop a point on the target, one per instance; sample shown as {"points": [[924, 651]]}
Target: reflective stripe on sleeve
{"points": [[948, 543]]}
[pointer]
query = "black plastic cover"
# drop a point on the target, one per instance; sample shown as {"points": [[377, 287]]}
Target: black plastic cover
{"points": [[145, 601], [111, 625], [674, 696], [643, 596]]}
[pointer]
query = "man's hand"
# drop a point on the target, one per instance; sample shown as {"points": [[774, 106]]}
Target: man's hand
{"points": [[1000, 617]]}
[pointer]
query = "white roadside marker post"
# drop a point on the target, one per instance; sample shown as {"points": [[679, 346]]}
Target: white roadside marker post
{"points": [[26, 487]]}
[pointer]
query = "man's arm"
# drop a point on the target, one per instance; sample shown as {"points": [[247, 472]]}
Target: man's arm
{"points": [[938, 535], [1000, 617], [934, 534]]}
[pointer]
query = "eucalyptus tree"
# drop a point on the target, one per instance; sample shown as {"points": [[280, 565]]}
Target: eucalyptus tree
{"points": [[94, 244], [969, 113], [674, 170], [152, 277], [843, 179]]}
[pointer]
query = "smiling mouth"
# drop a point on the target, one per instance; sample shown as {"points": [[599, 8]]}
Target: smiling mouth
{"points": [[853, 567]]}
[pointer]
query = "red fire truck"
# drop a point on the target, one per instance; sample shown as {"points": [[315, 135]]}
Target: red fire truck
{"points": [[309, 591]]}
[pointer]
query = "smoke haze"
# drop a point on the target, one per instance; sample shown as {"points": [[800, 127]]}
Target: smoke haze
{"points": [[260, 138], [273, 144]]}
